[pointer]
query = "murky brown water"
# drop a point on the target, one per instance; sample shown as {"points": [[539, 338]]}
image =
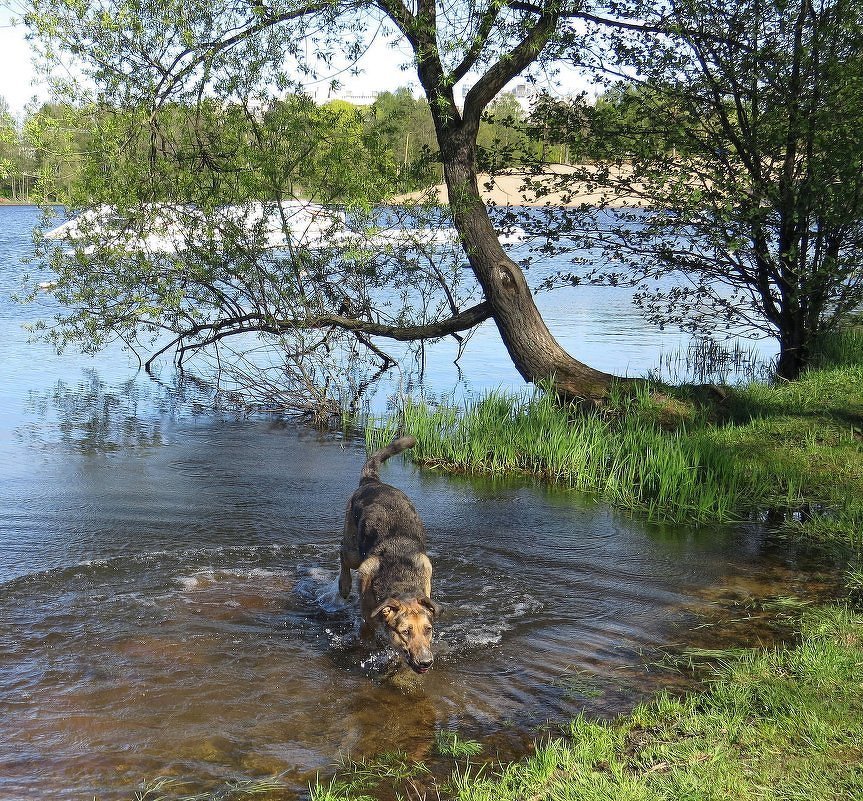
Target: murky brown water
{"points": [[171, 610]]}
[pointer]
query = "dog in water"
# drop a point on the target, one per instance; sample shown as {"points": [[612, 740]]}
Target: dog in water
{"points": [[384, 541]]}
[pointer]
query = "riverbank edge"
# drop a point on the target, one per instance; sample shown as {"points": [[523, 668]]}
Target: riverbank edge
{"points": [[789, 454], [558, 185], [770, 724]]}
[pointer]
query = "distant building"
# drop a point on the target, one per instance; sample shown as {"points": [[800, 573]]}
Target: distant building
{"points": [[524, 93]]}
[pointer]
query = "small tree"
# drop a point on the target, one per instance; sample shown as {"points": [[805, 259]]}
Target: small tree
{"points": [[753, 191]]}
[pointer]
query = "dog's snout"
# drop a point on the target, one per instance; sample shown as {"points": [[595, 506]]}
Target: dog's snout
{"points": [[422, 665], [423, 661]]}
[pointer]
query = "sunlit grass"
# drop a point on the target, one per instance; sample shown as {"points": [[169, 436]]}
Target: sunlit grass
{"points": [[626, 459], [791, 451], [359, 780], [451, 743], [169, 789], [773, 724]]}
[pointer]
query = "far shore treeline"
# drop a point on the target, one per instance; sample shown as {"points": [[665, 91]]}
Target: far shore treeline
{"points": [[43, 153]]}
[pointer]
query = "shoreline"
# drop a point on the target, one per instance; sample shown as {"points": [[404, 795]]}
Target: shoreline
{"points": [[507, 189]]}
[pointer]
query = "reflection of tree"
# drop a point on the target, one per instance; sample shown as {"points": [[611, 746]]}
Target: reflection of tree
{"points": [[319, 384], [93, 417]]}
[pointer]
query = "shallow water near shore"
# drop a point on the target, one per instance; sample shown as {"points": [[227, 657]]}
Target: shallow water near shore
{"points": [[168, 601]]}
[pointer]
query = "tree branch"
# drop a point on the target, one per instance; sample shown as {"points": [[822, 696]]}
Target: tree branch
{"points": [[207, 50], [510, 64], [486, 24], [256, 322]]}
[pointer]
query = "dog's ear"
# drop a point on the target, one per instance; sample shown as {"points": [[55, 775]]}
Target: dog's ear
{"points": [[432, 606], [387, 609]]}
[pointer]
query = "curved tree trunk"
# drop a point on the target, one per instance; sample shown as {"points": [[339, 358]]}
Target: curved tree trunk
{"points": [[536, 354]]}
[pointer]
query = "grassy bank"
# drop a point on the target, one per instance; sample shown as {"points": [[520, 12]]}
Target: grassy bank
{"points": [[778, 724], [793, 453]]}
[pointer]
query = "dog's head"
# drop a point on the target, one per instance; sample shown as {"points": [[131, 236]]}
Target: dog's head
{"points": [[408, 622]]}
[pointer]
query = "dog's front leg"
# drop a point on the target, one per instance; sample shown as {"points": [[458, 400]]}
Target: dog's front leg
{"points": [[365, 574]]}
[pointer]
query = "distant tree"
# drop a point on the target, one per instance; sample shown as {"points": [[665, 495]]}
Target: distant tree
{"points": [[403, 124], [9, 149], [503, 140], [749, 170], [563, 122], [55, 138]]}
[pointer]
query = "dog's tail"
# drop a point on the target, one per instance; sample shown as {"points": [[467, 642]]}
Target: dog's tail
{"points": [[371, 467]]}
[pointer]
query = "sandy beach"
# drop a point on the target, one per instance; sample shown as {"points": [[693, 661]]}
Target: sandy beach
{"points": [[507, 189]]}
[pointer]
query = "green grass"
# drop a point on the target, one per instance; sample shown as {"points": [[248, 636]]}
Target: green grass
{"points": [[450, 743], [167, 789], [360, 780], [792, 451], [628, 460]]}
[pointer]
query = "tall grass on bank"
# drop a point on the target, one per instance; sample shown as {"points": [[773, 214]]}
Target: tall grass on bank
{"points": [[626, 459], [841, 348], [791, 451]]}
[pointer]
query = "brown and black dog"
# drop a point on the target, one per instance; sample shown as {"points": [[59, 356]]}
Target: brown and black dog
{"points": [[384, 541]]}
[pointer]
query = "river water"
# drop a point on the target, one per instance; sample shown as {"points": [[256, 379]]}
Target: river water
{"points": [[167, 581]]}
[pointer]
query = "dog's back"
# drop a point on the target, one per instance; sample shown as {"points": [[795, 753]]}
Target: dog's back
{"points": [[384, 516]]}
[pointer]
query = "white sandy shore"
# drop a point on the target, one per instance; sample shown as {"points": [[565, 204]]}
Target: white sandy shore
{"points": [[507, 189]]}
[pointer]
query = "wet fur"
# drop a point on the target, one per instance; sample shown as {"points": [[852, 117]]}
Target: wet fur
{"points": [[384, 541]]}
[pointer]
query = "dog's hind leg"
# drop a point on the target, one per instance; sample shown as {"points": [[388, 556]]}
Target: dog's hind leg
{"points": [[349, 556]]}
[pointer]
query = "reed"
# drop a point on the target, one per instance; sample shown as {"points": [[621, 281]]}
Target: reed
{"points": [[841, 348], [706, 361], [451, 743], [625, 459]]}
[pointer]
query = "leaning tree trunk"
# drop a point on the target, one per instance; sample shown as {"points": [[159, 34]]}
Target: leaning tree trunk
{"points": [[536, 354]]}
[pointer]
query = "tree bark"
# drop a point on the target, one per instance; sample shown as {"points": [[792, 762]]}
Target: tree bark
{"points": [[794, 352], [534, 351], [536, 354]]}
